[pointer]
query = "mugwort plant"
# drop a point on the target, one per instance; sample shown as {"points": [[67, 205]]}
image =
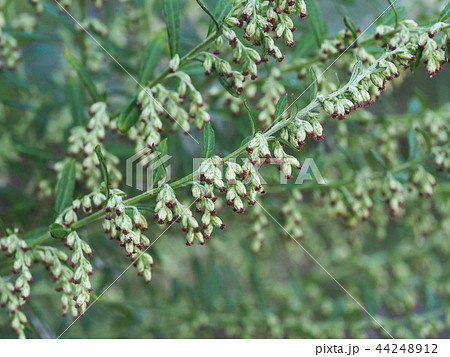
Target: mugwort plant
{"points": [[86, 85]]}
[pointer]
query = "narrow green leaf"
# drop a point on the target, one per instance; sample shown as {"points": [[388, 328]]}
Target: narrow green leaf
{"points": [[316, 21], [160, 170], [75, 99], [280, 108], [103, 168], [251, 117], [351, 26], [84, 76], [34, 152], [66, 186], [202, 4], [376, 156], [356, 71], [413, 148], [222, 9], [348, 155], [394, 9], [338, 81], [224, 83], [2, 225], [246, 140], [416, 63], [209, 140], [287, 143], [172, 16], [33, 235], [314, 82], [58, 231], [445, 14], [128, 116], [150, 57]]}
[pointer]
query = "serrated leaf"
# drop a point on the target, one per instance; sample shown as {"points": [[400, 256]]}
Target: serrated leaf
{"points": [[58, 231], [65, 188], [150, 57], [316, 21], [314, 82], [351, 26], [251, 117], [445, 14], [202, 4], [84, 76], [222, 9], [280, 108], [76, 103], [172, 17], [129, 115], [413, 148], [394, 9], [209, 140], [356, 71], [103, 168]]}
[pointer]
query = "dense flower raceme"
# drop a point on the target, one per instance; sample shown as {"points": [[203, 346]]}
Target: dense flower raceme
{"points": [[240, 182], [183, 108], [82, 143], [261, 23]]}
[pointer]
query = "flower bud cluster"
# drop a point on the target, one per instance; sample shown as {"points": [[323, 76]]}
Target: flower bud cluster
{"points": [[234, 79], [82, 142], [24, 22], [9, 49], [441, 158], [298, 130], [342, 42], [92, 24], [56, 262], [293, 217], [158, 101], [86, 204], [258, 227], [272, 90], [261, 21], [76, 285], [395, 195], [128, 229], [286, 161], [423, 182], [13, 295]]}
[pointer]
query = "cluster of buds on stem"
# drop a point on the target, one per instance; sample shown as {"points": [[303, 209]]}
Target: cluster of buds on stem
{"points": [[261, 21], [82, 143], [9, 49], [441, 158], [272, 90], [299, 129], [423, 182], [13, 295], [127, 225], [293, 217], [259, 227]]}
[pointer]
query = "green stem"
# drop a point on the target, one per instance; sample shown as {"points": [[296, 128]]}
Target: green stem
{"points": [[207, 41], [82, 35]]}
